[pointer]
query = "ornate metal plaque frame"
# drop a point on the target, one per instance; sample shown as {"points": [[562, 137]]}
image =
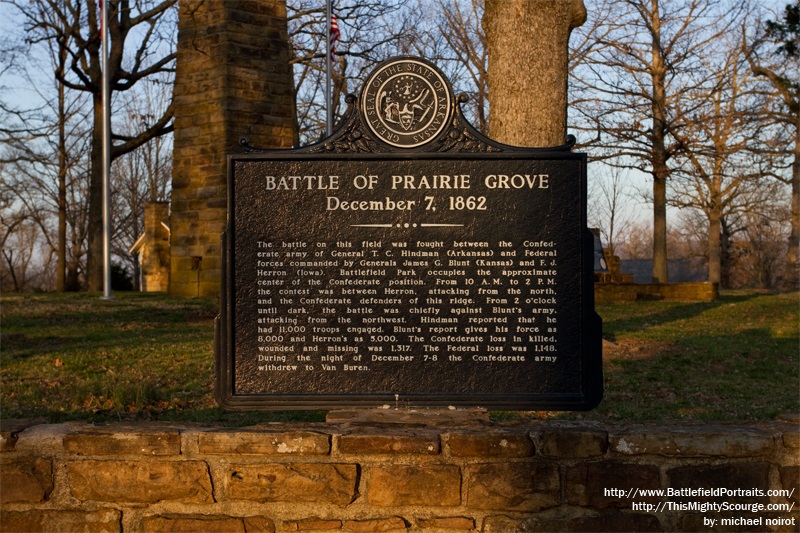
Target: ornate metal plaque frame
{"points": [[408, 259]]}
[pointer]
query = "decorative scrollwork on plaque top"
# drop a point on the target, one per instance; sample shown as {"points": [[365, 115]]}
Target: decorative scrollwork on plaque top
{"points": [[407, 105]]}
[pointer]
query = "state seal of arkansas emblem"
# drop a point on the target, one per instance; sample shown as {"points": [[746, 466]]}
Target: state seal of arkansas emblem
{"points": [[406, 102]]}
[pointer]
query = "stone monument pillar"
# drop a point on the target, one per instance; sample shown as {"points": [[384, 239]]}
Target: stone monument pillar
{"points": [[527, 41], [233, 79]]}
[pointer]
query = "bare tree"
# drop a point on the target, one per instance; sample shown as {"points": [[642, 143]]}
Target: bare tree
{"points": [[371, 31], [775, 56], [450, 34], [19, 252], [141, 176], [609, 205], [459, 24], [44, 145], [688, 235], [758, 258], [640, 69], [12, 218], [719, 174], [25, 256], [636, 243], [585, 103], [142, 47]]}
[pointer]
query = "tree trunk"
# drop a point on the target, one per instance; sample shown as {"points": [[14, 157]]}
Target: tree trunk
{"points": [[295, 116], [725, 265], [94, 261], [73, 275], [660, 229], [660, 168], [714, 252], [527, 42], [791, 277], [61, 253], [8, 257]]}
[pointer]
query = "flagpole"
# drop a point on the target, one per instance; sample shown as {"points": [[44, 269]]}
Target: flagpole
{"points": [[106, 155], [328, 110]]}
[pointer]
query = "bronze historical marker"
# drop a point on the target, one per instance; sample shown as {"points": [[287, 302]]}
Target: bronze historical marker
{"points": [[408, 258]]}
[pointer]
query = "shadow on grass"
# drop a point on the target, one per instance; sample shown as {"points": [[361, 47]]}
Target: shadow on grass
{"points": [[737, 362], [647, 314], [79, 322], [743, 376]]}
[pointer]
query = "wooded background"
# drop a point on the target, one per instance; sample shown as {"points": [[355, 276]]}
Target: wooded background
{"points": [[689, 111]]}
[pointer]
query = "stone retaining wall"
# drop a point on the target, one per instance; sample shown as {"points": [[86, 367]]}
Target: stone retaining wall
{"points": [[368, 477]]}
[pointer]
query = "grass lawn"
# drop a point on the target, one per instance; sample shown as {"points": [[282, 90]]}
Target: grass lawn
{"points": [[150, 357]]}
